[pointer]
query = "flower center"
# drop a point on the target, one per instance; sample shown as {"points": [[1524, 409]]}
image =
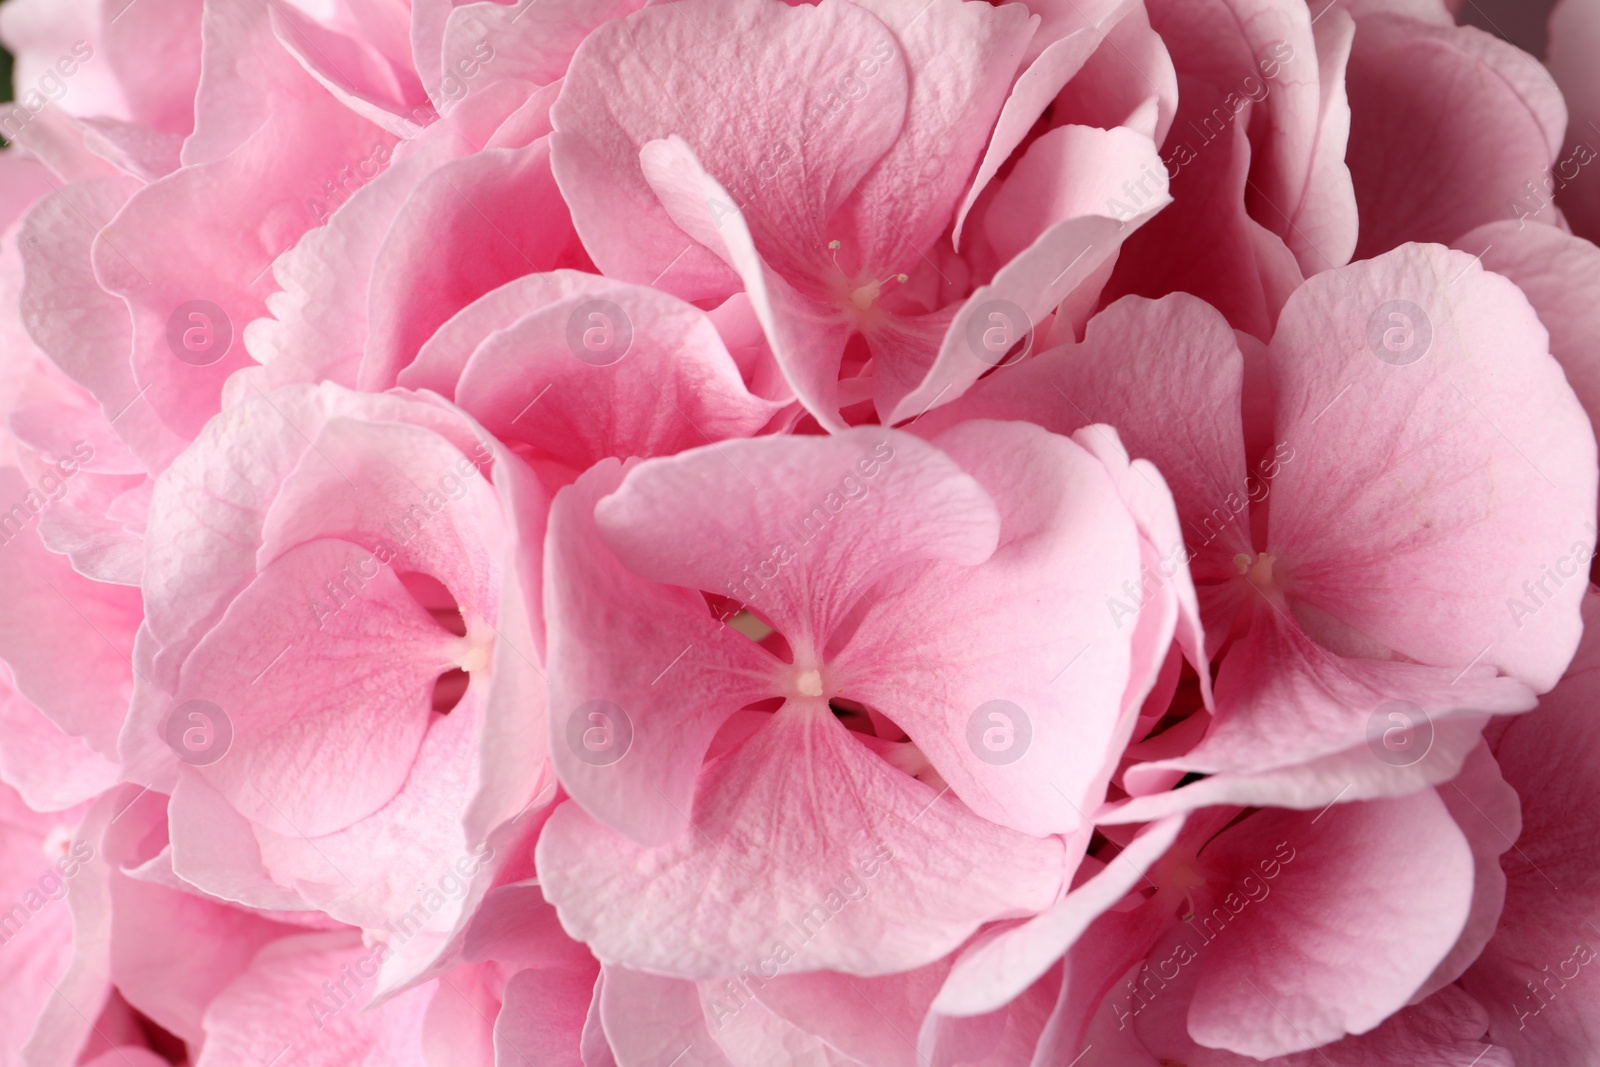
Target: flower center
{"points": [[1258, 571], [57, 842], [809, 683], [475, 651], [1179, 874], [863, 296]]}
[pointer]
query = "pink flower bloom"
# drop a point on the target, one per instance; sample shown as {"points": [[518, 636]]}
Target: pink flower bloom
{"points": [[615, 370], [1232, 956], [387, 529], [749, 532], [921, 585], [1310, 483], [831, 208]]}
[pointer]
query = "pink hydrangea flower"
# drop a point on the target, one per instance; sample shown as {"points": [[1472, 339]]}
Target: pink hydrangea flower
{"points": [[748, 532]]}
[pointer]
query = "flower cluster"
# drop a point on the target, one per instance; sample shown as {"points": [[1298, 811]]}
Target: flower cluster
{"points": [[740, 532]]}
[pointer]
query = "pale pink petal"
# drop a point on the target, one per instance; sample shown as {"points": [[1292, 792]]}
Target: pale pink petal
{"points": [[1033, 91], [444, 355], [1207, 242], [470, 226], [1232, 54], [71, 942], [904, 348], [376, 726], [1090, 64], [1486, 809], [318, 322], [215, 849], [646, 59], [541, 1018], [91, 529], [1323, 220], [890, 882], [37, 924], [242, 198], [514, 924], [807, 336], [459, 1025], [206, 526], [1353, 774], [849, 1012], [1366, 510], [1335, 701], [1366, 899], [757, 1037], [532, 42], [1167, 375], [1560, 276], [134, 150], [1465, 101], [615, 371], [1092, 990], [154, 50], [420, 898], [649, 1019], [70, 148], [1535, 975], [1163, 566], [356, 72], [880, 474], [1079, 229], [126, 1056], [26, 182], [961, 59], [85, 330], [1446, 1030], [66, 638], [612, 637], [941, 643], [1009, 1035], [49, 768], [281, 1002], [167, 977], [992, 972], [594, 1047]]}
